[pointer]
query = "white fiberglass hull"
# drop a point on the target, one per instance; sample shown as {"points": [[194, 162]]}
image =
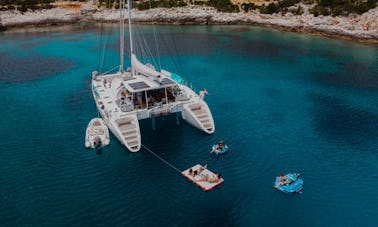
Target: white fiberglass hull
{"points": [[97, 134], [124, 123]]}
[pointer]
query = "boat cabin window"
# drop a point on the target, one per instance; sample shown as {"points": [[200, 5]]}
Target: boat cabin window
{"points": [[158, 97]]}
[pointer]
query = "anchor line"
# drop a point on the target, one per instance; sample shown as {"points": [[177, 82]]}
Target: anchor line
{"points": [[162, 159]]}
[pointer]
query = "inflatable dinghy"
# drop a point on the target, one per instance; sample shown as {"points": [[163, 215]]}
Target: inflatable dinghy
{"points": [[295, 184], [197, 173], [97, 134]]}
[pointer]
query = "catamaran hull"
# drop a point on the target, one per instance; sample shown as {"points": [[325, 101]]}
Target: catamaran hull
{"points": [[125, 129], [199, 115], [125, 125]]}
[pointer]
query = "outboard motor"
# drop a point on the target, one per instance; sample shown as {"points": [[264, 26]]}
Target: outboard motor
{"points": [[97, 142]]}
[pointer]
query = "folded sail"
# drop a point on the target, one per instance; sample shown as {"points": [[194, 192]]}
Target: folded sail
{"points": [[140, 68]]}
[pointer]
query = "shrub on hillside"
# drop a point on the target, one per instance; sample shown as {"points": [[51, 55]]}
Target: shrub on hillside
{"points": [[342, 7], [270, 9], [223, 5], [246, 7], [144, 5]]}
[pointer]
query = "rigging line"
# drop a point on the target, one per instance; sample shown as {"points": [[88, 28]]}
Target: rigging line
{"points": [[163, 160], [145, 53], [175, 60], [157, 47], [105, 32], [144, 47], [156, 44], [105, 45], [178, 60], [140, 49], [99, 54]]}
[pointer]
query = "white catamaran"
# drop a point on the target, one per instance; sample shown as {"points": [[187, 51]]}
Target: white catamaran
{"points": [[141, 92]]}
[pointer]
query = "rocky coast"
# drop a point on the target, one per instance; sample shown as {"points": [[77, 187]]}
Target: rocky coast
{"points": [[363, 28]]}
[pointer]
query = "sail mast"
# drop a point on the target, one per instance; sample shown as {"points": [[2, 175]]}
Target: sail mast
{"points": [[121, 34], [130, 31]]}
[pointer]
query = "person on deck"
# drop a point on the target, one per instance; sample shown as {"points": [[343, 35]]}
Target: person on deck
{"points": [[120, 85], [210, 179], [197, 171]]}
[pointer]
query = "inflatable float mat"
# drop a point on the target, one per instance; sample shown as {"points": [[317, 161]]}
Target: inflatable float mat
{"points": [[206, 186]]}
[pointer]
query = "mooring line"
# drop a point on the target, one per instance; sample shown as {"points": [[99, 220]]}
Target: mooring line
{"points": [[162, 159]]}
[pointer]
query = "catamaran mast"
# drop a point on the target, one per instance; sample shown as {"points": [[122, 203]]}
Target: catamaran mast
{"points": [[121, 34], [130, 31]]}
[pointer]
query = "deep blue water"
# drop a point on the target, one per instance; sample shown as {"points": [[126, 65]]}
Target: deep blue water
{"points": [[283, 102]]}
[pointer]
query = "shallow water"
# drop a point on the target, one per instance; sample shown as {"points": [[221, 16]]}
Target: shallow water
{"points": [[283, 102]]}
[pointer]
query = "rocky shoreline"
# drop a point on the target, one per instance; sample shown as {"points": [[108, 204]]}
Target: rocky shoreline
{"points": [[362, 28]]}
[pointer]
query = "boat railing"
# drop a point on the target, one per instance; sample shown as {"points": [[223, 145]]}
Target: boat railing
{"points": [[182, 96], [110, 71], [175, 107], [163, 109]]}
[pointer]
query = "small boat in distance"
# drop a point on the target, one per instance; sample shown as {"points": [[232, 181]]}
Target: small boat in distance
{"points": [[97, 134]]}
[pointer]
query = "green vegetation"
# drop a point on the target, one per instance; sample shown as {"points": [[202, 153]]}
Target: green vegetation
{"points": [[223, 5], [342, 7], [147, 4], [282, 6], [109, 3], [144, 4], [321, 7], [24, 5], [246, 7]]}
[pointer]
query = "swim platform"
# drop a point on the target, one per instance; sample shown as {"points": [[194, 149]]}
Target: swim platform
{"points": [[206, 186]]}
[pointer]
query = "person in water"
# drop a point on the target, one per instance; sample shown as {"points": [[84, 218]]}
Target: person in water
{"points": [[218, 147], [211, 179], [282, 180]]}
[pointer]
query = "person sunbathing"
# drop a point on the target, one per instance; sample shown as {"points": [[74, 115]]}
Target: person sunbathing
{"points": [[197, 171], [210, 179]]}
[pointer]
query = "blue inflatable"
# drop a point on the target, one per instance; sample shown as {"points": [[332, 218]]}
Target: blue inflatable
{"points": [[295, 183], [214, 149]]}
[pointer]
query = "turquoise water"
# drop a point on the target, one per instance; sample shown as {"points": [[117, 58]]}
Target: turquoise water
{"points": [[283, 102]]}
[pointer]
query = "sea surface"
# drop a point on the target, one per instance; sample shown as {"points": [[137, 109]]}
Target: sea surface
{"points": [[283, 102]]}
